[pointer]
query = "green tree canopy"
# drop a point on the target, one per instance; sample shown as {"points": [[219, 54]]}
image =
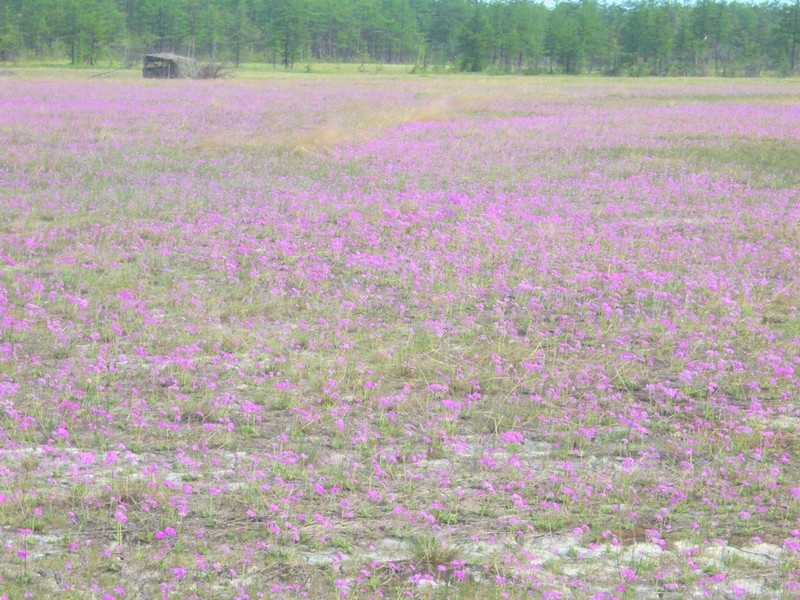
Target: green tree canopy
{"points": [[640, 37]]}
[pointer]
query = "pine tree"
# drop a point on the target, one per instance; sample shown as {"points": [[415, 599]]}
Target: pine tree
{"points": [[473, 41], [11, 42]]}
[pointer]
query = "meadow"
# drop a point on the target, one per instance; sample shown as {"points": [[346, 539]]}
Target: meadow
{"points": [[389, 336]]}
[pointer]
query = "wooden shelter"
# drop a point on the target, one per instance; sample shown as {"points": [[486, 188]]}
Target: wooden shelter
{"points": [[165, 65]]}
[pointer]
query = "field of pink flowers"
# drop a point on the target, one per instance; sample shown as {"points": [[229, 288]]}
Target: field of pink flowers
{"points": [[399, 337]]}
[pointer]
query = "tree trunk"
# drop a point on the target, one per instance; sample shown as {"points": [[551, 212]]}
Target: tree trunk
{"points": [[794, 37]]}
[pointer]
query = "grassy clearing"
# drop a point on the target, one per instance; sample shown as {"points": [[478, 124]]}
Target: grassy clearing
{"points": [[432, 337]]}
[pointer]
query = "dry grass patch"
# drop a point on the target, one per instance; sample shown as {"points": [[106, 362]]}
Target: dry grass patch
{"points": [[350, 127], [365, 125]]}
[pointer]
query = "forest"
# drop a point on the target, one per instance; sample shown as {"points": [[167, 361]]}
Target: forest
{"points": [[637, 38]]}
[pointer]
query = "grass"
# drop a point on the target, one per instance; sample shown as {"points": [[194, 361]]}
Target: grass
{"points": [[429, 552], [410, 336]]}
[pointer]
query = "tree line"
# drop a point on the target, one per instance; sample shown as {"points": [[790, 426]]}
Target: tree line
{"points": [[641, 37]]}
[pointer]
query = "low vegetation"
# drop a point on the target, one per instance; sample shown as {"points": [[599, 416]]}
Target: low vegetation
{"points": [[413, 337]]}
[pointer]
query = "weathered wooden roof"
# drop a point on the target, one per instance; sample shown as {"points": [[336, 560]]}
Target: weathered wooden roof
{"points": [[186, 67]]}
